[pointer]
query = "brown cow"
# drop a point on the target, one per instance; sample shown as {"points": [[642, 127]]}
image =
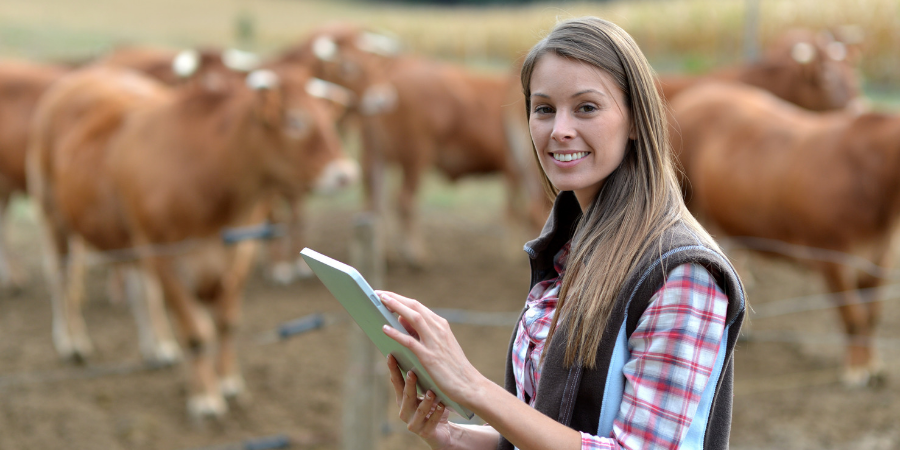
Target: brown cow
{"points": [[812, 70], [215, 69], [120, 162], [21, 85], [418, 114], [761, 167]]}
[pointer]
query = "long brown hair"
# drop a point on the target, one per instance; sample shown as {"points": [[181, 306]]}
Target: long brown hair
{"points": [[637, 201]]}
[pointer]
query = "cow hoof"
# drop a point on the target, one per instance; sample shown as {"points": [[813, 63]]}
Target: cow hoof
{"points": [[282, 273], [205, 406], [166, 353], [74, 351], [232, 386], [855, 377]]}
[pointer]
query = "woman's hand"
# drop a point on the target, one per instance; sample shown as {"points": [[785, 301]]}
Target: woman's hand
{"points": [[432, 341], [423, 416]]}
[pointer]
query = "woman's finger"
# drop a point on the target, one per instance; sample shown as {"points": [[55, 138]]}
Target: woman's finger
{"points": [[410, 400], [431, 422], [409, 327], [423, 414], [396, 378], [403, 305], [416, 319], [404, 339]]}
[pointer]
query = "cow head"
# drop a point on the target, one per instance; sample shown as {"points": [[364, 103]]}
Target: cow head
{"points": [[820, 68], [348, 55], [300, 146], [210, 69]]}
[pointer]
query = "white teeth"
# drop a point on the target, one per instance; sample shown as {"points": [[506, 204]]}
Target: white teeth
{"points": [[568, 156]]}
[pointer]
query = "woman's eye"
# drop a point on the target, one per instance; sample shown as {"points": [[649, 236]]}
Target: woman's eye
{"points": [[543, 110], [587, 108]]}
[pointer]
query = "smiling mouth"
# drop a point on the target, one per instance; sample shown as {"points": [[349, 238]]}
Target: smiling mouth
{"points": [[566, 157]]}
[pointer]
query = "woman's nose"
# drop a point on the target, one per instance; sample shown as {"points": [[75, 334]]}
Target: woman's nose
{"points": [[562, 129]]}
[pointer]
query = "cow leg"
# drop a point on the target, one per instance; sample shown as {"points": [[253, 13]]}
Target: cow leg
{"points": [[842, 282], [55, 244], [412, 249], [9, 277], [155, 338], [873, 307], [284, 253], [279, 268], [204, 397], [227, 312], [74, 299], [883, 256]]}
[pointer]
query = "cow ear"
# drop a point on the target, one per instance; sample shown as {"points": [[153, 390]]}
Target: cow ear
{"points": [[186, 63], [240, 61], [325, 48], [269, 104], [330, 91], [853, 37]]}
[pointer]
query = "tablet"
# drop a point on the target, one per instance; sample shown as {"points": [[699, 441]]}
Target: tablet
{"points": [[364, 306]]}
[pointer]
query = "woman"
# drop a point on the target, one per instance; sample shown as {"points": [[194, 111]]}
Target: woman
{"points": [[628, 330]]}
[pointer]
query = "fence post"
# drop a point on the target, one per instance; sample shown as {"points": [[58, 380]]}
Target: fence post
{"points": [[751, 30], [365, 396]]}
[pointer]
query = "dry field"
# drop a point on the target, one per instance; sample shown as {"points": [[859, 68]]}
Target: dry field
{"points": [[787, 394]]}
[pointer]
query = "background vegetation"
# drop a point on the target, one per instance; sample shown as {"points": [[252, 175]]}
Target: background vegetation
{"points": [[677, 35]]}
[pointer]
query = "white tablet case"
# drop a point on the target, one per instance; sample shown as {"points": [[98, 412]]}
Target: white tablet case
{"points": [[359, 299]]}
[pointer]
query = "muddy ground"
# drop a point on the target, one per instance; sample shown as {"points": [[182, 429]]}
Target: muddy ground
{"points": [[787, 393]]}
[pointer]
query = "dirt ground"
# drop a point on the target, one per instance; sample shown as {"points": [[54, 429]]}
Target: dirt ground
{"points": [[787, 393]]}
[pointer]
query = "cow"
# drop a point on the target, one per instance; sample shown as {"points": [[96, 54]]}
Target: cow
{"points": [[123, 164], [21, 85], [418, 114], [763, 168], [215, 69], [220, 70], [812, 70]]}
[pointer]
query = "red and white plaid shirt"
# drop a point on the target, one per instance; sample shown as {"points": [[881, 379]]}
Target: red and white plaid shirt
{"points": [[673, 351]]}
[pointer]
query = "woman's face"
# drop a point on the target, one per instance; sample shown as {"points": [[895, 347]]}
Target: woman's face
{"points": [[579, 122]]}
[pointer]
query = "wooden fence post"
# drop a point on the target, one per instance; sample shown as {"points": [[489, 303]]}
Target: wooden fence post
{"points": [[751, 30], [365, 396]]}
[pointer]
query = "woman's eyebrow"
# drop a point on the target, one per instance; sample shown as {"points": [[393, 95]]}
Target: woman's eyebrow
{"points": [[586, 91], [589, 91]]}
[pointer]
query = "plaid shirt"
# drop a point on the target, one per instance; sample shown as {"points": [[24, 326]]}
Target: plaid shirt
{"points": [[673, 351]]}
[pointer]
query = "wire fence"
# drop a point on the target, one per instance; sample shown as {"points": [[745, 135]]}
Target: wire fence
{"points": [[316, 321]]}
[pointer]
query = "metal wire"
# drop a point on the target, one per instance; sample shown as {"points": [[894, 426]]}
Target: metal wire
{"points": [[228, 236], [825, 301], [812, 253], [802, 337]]}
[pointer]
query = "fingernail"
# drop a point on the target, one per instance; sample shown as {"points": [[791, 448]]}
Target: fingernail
{"points": [[409, 373], [384, 328], [430, 395], [440, 407]]}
